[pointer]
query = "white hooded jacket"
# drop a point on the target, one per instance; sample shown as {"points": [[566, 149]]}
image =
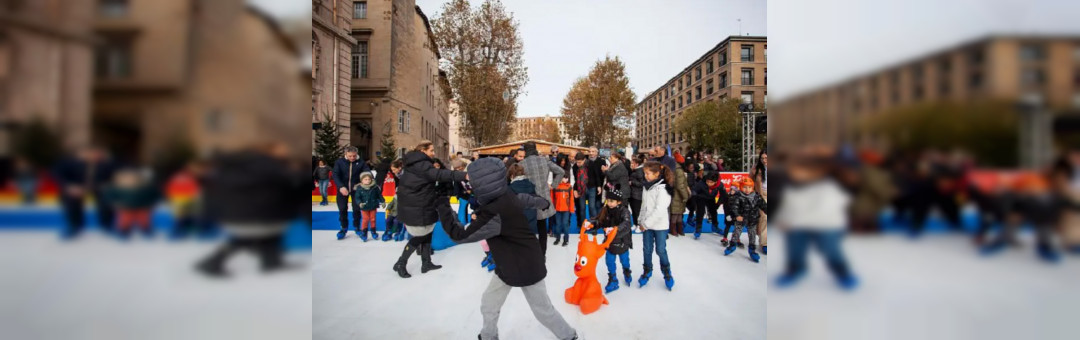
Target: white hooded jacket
{"points": [[654, 207]]}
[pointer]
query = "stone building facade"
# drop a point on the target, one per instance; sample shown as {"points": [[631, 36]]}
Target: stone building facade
{"points": [[331, 70], [214, 75], [1012, 68], [734, 68], [46, 68], [397, 86]]}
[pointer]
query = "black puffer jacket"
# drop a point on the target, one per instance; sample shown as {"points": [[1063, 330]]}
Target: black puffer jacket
{"points": [[416, 189], [617, 218], [618, 177], [499, 220], [251, 187], [637, 177]]}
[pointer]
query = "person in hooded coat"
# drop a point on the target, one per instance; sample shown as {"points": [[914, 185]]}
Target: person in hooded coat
{"points": [[500, 221], [538, 169], [417, 192]]}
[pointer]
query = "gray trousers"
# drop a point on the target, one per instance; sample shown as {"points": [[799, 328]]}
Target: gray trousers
{"points": [[495, 295]]}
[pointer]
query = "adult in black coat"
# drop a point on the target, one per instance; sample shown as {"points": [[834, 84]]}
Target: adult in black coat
{"points": [[637, 181], [381, 170], [500, 220], [85, 175], [594, 167], [254, 194], [347, 175], [416, 194]]}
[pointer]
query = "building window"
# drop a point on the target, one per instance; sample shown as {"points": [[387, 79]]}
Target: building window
{"points": [[723, 58], [403, 121], [976, 57], [1031, 52], [747, 53], [709, 66], [747, 76], [113, 8], [697, 93], [766, 76], [687, 97], [359, 10], [1032, 77], [723, 80], [680, 102], [708, 87], [748, 97], [360, 60], [113, 58], [697, 74], [680, 84]]}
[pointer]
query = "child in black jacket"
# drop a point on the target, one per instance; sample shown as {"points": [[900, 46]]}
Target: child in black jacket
{"points": [[705, 192], [615, 215]]}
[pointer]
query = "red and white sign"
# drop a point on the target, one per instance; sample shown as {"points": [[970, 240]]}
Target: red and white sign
{"points": [[731, 177]]}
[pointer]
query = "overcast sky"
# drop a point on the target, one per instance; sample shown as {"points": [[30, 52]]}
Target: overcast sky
{"points": [[655, 39], [821, 42], [283, 8]]}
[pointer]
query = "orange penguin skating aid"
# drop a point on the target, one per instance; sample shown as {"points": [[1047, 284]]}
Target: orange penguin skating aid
{"points": [[586, 291]]}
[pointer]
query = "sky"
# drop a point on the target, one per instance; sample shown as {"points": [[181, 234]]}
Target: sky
{"points": [[283, 8], [823, 42], [655, 39]]}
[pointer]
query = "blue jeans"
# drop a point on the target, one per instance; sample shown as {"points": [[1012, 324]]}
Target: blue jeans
{"points": [[594, 206], [610, 260], [828, 242], [323, 185], [562, 225], [579, 210], [463, 211], [659, 239]]}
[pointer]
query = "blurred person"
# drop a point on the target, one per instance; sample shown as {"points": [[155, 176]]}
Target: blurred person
{"points": [[660, 155], [874, 191], [500, 221], [618, 178], [253, 194], [322, 176], [463, 192], [1066, 177], [520, 184], [595, 181], [679, 198], [815, 211], [80, 177], [367, 197], [705, 193], [563, 198], [394, 229], [1035, 204], [389, 178], [133, 196], [581, 189], [719, 164], [693, 177], [555, 153], [190, 213], [540, 170], [993, 207], [746, 213], [26, 180], [475, 156], [655, 220], [346, 173], [616, 215], [637, 178], [760, 174], [417, 192], [516, 155]]}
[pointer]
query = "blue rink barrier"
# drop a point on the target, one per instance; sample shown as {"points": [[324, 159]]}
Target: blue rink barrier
{"points": [[50, 219]]}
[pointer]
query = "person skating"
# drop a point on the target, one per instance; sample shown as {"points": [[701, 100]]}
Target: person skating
{"points": [[637, 176], [679, 197], [734, 195], [563, 197], [746, 214], [416, 190], [134, 198], [520, 184], [653, 223], [540, 170], [500, 220], [367, 197], [346, 175], [705, 192], [393, 228], [616, 215], [1036, 204]]}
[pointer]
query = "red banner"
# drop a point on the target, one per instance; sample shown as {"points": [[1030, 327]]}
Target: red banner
{"points": [[730, 177]]}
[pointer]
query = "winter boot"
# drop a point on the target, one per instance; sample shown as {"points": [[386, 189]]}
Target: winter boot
{"points": [[789, 279], [362, 234], [626, 274], [848, 283], [669, 281], [612, 284], [730, 248], [341, 234], [386, 235], [697, 233], [487, 259], [1048, 254], [374, 235], [644, 279], [753, 254], [491, 265], [564, 241], [399, 267], [425, 258], [724, 242], [556, 242]]}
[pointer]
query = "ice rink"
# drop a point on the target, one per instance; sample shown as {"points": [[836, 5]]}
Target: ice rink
{"points": [[357, 295]]}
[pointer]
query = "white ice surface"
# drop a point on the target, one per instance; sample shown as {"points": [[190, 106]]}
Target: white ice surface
{"points": [[100, 288], [358, 296]]}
